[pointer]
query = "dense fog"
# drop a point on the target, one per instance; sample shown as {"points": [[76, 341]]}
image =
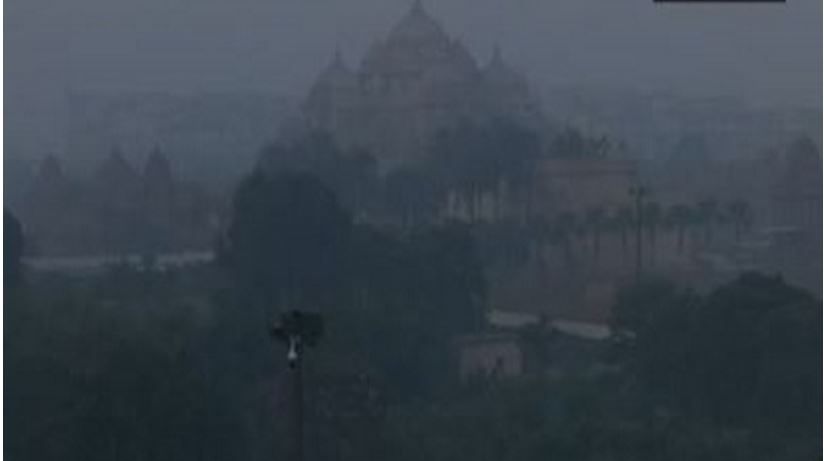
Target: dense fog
{"points": [[412, 230]]}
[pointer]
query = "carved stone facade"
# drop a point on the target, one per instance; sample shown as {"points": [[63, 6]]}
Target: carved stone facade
{"points": [[410, 85]]}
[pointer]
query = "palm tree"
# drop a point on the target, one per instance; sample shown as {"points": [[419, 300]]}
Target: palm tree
{"points": [[708, 214], [740, 214], [538, 232], [680, 216], [564, 228], [596, 221], [409, 195], [624, 218], [474, 159], [652, 219]]}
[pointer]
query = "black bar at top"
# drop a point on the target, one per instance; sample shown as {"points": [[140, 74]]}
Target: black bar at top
{"points": [[719, 1]]}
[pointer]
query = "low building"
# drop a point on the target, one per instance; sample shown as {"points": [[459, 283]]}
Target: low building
{"points": [[581, 184], [519, 343], [490, 355]]}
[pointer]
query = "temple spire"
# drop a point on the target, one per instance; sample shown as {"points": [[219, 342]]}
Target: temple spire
{"points": [[497, 58], [50, 168]]}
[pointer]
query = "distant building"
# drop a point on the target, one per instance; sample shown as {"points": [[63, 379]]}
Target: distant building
{"points": [[513, 320], [214, 137], [652, 122], [560, 185], [521, 342], [797, 197], [409, 86], [118, 210], [497, 355], [581, 184]]}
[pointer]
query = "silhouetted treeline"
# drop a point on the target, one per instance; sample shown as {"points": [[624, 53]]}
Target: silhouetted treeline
{"points": [[143, 364]]}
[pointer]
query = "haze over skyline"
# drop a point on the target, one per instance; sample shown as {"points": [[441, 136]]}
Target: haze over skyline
{"points": [[762, 53]]}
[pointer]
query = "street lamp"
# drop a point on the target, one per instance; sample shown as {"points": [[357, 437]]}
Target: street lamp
{"points": [[298, 330]]}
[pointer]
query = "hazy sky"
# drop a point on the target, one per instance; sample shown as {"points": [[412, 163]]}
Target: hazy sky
{"points": [[762, 52]]}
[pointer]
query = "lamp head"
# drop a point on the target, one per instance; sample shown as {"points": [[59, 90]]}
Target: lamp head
{"points": [[297, 329]]}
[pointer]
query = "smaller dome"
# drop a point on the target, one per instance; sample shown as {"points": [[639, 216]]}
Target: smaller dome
{"points": [[417, 26], [115, 170], [802, 168], [50, 170], [336, 85], [337, 75], [157, 167], [499, 74], [463, 58], [803, 154]]}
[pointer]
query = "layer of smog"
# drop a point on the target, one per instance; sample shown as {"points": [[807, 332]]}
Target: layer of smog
{"points": [[412, 230]]}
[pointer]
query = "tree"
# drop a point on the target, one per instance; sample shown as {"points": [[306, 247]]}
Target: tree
{"points": [[653, 218], [287, 242], [624, 219], [414, 293], [680, 216], [351, 174], [475, 159], [758, 341], [740, 214], [505, 244], [707, 214], [90, 380], [746, 355], [540, 231], [564, 228], [689, 161], [596, 219], [410, 195], [571, 143], [13, 242]]}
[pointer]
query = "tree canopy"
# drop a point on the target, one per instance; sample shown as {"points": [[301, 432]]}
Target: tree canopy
{"points": [[12, 249], [746, 354], [287, 241]]}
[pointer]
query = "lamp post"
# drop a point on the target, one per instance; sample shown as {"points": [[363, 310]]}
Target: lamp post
{"points": [[297, 330], [638, 193]]}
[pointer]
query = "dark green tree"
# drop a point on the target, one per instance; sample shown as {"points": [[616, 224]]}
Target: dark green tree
{"points": [[475, 159], [623, 220], [564, 228], [741, 216], [653, 219], [350, 173], [571, 143], [708, 213], [746, 355], [288, 241], [410, 195], [596, 221], [680, 217], [13, 242]]}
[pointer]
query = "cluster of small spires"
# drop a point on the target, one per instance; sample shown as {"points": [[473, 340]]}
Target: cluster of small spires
{"points": [[418, 24], [114, 168]]}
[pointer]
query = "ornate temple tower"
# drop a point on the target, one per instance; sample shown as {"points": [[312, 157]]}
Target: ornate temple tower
{"points": [[413, 83], [158, 179], [334, 98], [507, 92]]}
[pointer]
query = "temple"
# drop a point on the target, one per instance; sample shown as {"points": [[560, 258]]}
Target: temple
{"points": [[410, 85]]}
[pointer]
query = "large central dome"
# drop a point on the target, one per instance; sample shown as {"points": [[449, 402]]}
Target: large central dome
{"points": [[415, 46], [414, 83], [417, 26]]}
